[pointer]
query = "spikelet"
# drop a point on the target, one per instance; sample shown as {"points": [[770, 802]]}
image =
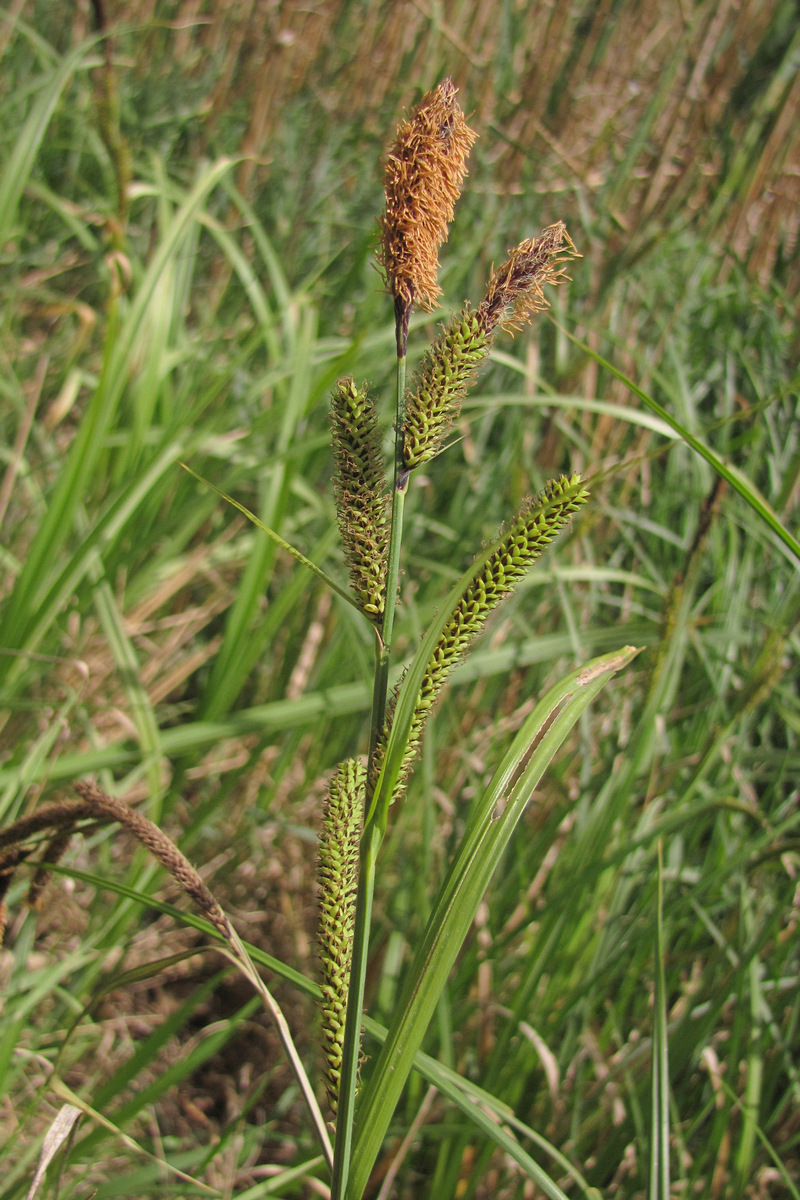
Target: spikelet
{"points": [[535, 526], [514, 294], [337, 875], [448, 370], [515, 290], [424, 172], [361, 494]]}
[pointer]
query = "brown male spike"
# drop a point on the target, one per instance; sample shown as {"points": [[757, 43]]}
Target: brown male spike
{"points": [[515, 290], [424, 172]]}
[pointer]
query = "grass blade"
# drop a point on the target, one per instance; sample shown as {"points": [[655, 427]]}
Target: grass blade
{"points": [[730, 474], [659, 1119]]}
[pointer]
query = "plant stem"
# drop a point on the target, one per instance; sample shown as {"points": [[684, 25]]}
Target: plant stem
{"points": [[373, 835], [343, 1144], [384, 645]]}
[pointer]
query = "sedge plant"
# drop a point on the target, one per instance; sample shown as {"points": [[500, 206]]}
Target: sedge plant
{"points": [[425, 170]]}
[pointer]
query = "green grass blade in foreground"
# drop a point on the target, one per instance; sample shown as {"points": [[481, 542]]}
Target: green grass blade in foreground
{"points": [[746, 489], [659, 1118], [483, 1110], [488, 1113], [484, 842]]}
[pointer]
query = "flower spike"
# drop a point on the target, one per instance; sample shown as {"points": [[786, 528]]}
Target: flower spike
{"points": [[424, 172], [535, 526], [337, 875], [515, 290], [448, 371], [361, 494]]}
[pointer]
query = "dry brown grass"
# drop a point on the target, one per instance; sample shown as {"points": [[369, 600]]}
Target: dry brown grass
{"points": [[652, 105]]}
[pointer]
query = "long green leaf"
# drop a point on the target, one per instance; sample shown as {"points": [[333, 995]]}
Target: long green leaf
{"points": [[746, 489], [484, 842], [659, 1120]]}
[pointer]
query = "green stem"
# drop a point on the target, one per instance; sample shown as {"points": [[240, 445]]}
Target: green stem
{"points": [[380, 689], [400, 485], [383, 650], [343, 1144], [372, 836]]}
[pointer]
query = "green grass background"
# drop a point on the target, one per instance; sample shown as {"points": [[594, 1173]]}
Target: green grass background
{"points": [[187, 227]]}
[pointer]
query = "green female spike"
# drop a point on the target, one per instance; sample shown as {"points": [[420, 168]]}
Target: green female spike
{"points": [[533, 529], [337, 876], [361, 494]]}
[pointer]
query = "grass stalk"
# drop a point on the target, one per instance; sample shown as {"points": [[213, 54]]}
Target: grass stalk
{"points": [[659, 1118], [373, 833], [343, 1144], [384, 645]]}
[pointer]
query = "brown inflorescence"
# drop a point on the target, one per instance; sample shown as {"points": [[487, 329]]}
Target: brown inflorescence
{"points": [[424, 172], [515, 289]]}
